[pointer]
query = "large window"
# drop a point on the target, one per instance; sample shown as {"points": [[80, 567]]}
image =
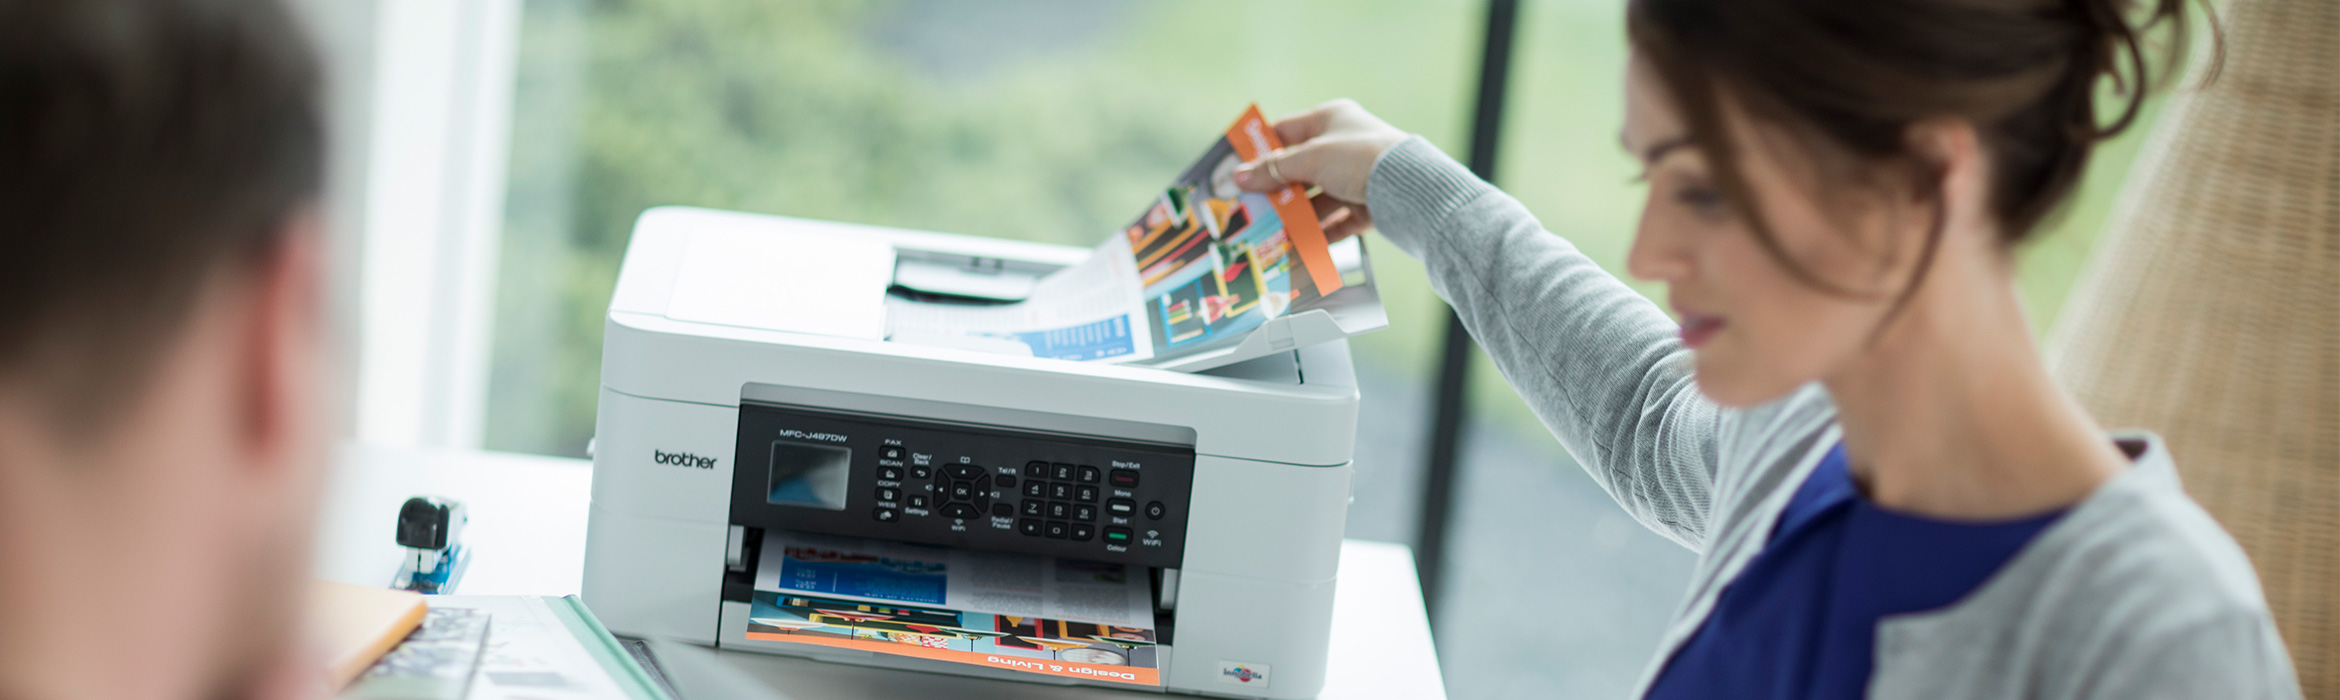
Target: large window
{"points": [[1054, 120]]}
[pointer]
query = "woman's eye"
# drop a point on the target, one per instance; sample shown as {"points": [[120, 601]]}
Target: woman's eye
{"points": [[1704, 200]]}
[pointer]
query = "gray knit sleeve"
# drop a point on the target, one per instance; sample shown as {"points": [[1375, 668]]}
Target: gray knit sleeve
{"points": [[1602, 367]]}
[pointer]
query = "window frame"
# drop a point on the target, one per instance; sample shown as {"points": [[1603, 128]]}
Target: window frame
{"points": [[421, 103]]}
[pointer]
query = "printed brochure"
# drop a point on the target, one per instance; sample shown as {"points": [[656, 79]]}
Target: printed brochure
{"points": [[1201, 266]]}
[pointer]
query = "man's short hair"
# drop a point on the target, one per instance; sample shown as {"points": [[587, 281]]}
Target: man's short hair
{"points": [[146, 146]]}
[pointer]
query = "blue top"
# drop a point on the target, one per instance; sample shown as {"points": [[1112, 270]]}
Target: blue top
{"points": [[1800, 621]]}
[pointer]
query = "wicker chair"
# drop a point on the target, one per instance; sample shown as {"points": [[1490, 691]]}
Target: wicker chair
{"points": [[2211, 310]]}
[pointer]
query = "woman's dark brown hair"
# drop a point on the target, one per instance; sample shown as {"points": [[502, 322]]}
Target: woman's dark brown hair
{"points": [[1852, 76]]}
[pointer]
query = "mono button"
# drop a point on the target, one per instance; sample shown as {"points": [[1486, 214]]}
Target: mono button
{"points": [[1121, 506]]}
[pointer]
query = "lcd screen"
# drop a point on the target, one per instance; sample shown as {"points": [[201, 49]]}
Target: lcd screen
{"points": [[809, 475]]}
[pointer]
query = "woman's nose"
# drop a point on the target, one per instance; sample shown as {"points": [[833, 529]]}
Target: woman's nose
{"points": [[1657, 254]]}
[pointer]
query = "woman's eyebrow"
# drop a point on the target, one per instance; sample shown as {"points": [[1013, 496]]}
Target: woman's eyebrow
{"points": [[1651, 156]]}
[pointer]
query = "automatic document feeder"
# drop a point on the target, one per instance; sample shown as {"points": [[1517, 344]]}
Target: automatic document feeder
{"points": [[773, 479]]}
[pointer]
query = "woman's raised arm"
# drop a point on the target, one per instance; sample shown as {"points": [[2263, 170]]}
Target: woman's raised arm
{"points": [[1601, 366]]}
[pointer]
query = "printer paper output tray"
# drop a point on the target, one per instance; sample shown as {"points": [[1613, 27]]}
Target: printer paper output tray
{"points": [[1282, 334]]}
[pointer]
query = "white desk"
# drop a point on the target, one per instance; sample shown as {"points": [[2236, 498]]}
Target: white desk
{"points": [[527, 536]]}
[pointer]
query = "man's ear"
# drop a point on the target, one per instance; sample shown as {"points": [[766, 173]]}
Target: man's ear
{"points": [[283, 345]]}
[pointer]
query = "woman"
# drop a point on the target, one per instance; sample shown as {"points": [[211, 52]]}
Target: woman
{"points": [[1850, 421]]}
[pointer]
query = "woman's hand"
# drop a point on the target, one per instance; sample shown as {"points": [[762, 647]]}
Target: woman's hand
{"points": [[1332, 147]]}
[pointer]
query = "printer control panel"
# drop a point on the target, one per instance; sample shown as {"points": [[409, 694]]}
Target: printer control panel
{"points": [[978, 487]]}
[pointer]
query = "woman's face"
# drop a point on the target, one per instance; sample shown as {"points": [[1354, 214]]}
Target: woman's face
{"points": [[1758, 330]]}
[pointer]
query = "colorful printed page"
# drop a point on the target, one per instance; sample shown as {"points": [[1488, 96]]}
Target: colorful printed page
{"points": [[1215, 261], [1045, 646], [1204, 264], [1019, 585]]}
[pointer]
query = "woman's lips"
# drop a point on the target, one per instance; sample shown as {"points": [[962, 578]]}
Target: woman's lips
{"points": [[1699, 328]]}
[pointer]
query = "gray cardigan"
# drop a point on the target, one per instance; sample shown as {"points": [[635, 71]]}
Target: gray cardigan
{"points": [[2135, 593]]}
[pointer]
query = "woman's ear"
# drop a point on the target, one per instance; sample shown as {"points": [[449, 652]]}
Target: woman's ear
{"points": [[1954, 174]]}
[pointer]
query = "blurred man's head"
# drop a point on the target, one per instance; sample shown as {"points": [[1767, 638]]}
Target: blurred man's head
{"points": [[161, 344]]}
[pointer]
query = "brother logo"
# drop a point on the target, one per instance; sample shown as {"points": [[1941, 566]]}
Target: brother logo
{"points": [[683, 459]]}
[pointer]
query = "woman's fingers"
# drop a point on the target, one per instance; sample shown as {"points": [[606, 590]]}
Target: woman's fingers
{"points": [[1349, 221], [1332, 147], [1298, 127], [1340, 219], [1292, 165], [1326, 205]]}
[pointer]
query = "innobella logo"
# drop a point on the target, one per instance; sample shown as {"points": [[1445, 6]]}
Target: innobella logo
{"points": [[682, 459], [1243, 674]]}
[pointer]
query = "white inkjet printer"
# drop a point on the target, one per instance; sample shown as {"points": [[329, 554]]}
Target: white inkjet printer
{"points": [[743, 351]]}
